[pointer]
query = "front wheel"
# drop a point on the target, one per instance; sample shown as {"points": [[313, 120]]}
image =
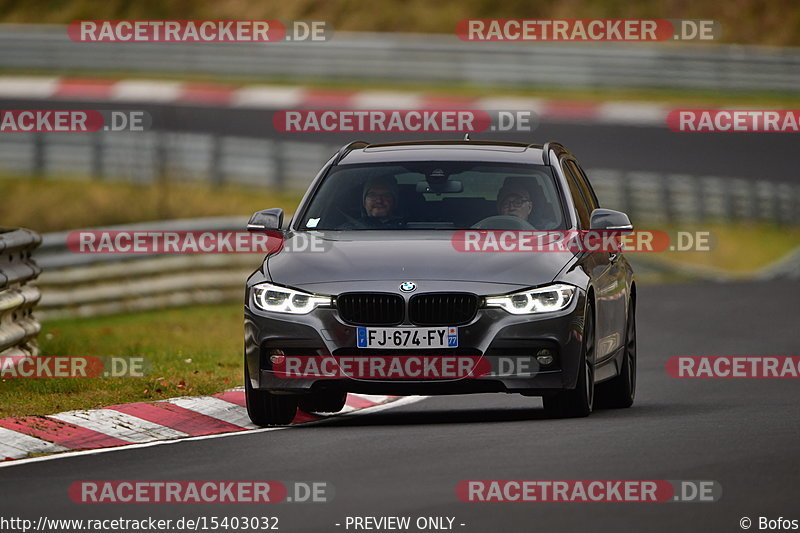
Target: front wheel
{"points": [[577, 402], [620, 391], [267, 409]]}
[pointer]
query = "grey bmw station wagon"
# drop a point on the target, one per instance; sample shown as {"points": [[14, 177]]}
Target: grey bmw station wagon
{"points": [[418, 282]]}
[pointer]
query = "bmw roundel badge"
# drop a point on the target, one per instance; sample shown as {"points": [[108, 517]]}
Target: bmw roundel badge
{"points": [[408, 286]]}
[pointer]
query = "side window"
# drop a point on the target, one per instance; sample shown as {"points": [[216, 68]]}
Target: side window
{"points": [[591, 197], [581, 206]]}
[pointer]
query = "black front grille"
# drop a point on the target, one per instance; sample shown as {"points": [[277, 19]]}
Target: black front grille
{"points": [[442, 309], [371, 308]]}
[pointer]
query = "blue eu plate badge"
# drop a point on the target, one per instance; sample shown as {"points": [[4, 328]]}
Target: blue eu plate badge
{"points": [[452, 337], [362, 337]]}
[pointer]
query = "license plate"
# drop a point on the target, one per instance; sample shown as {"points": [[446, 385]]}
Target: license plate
{"points": [[446, 337]]}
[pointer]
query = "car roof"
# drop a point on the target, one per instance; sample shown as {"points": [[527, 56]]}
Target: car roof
{"points": [[494, 151]]}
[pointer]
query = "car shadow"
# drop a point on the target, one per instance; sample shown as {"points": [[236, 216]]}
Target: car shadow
{"points": [[424, 416]]}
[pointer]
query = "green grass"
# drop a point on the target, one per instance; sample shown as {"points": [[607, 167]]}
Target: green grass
{"points": [[738, 249], [53, 205], [189, 351]]}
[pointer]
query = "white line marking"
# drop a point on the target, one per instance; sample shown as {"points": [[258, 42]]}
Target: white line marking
{"points": [[386, 100], [146, 91], [215, 408], [632, 113], [537, 105], [28, 87], [267, 96], [16, 445], [120, 425], [407, 400]]}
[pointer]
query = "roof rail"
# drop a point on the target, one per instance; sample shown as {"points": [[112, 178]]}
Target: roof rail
{"points": [[555, 145], [344, 150]]}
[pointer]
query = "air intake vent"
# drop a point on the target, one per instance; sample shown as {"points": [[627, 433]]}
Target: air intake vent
{"points": [[371, 308], [442, 309]]}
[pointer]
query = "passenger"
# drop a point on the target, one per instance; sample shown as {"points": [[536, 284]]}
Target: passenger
{"points": [[514, 199]]}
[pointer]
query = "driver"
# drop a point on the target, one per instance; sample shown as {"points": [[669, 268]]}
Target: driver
{"points": [[514, 199], [381, 206]]}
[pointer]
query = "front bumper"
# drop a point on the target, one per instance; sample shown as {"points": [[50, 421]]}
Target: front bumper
{"points": [[506, 342]]}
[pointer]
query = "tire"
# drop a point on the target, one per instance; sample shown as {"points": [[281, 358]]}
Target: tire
{"points": [[619, 392], [577, 402], [266, 409], [323, 402]]}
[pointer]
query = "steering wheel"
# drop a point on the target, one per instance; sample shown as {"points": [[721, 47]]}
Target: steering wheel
{"points": [[358, 224], [502, 222]]}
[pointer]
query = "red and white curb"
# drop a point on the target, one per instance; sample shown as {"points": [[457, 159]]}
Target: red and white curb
{"points": [[144, 422], [291, 97]]}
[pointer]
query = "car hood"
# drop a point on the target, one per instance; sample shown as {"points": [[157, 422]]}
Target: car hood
{"points": [[339, 256]]}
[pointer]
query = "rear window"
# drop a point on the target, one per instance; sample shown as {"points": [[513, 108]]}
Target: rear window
{"points": [[436, 195]]}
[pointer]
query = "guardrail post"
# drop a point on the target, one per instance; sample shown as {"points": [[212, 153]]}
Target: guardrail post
{"points": [[626, 194], [39, 153], [669, 207], [795, 209], [777, 203], [98, 168], [755, 201], [729, 199], [279, 165], [18, 327], [215, 163], [700, 198], [161, 175]]}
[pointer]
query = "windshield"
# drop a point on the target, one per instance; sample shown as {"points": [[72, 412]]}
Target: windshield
{"points": [[436, 195]]}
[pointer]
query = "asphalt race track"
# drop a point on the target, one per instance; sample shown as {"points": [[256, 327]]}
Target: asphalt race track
{"points": [[407, 461]]}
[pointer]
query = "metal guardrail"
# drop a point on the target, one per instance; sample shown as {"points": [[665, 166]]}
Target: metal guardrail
{"points": [[664, 198], [76, 285], [409, 58], [144, 157], [18, 327]]}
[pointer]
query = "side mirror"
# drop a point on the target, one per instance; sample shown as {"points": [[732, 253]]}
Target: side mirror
{"points": [[608, 219], [268, 219]]}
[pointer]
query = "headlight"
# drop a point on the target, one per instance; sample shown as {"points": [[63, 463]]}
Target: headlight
{"points": [[543, 300], [269, 297]]}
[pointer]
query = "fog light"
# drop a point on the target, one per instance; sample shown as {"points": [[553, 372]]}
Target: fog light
{"points": [[276, 357], [544, 357]]}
